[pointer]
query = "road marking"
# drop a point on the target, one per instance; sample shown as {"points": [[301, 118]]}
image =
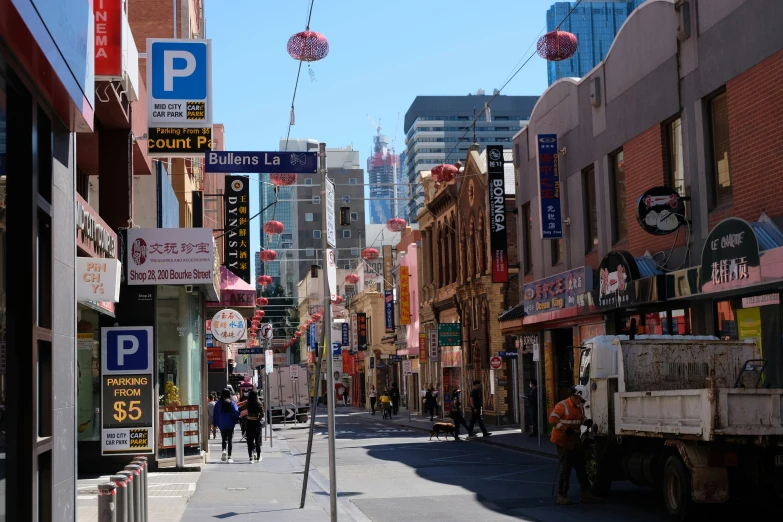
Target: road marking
{"points": [[455, 456], [495, 477]]}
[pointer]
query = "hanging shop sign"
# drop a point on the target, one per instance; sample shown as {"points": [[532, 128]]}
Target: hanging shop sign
{"points": [[557, 292], [433, 344], [549, 187], [312, 339], [179, 82], [422, 347], [331, 273], [127, 394], [388, 309], [388, 267], [354, 332], [660, 211], [258, 162], [615, 274], [93, 235], [178, 142], [236, 252], [346, 341], [405, 295], [730, 258], [216, 358], [449, 334], [97, 279], [361, 321], [228, 326], [170, 256], [108, 38], [497, 213]]}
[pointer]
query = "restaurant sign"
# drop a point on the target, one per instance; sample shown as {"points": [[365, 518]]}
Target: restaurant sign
{"points": [[730, 258], [449, 334], [615, 274], [557, 292], [93, 235]]}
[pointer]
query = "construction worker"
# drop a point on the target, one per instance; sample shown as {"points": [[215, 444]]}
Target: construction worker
{"points": [[567, 418]]}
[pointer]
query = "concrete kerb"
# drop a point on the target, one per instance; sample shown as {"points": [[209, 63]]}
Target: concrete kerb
{"points": [[481, 440]]}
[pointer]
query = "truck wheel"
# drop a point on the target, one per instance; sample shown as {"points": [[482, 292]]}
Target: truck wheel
{"points": [[676, 489], [598, 473]]}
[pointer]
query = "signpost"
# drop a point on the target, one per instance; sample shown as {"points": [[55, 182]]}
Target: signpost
{"points": [[496, 363], [127, 392], [294, 372], [269, 362]]}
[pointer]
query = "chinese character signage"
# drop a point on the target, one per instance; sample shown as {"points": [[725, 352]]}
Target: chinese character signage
{"points": [[361, 322], [405, 295], [497, 213], [730, 258], [422, 348], [346, 335], [228, 326], [170, 256], [557, 292], [433, 344], [354, 332], [388, 309], [615, 274], [660, 211], [236, 254], [388, 267], [449, 334], [549, 187]]}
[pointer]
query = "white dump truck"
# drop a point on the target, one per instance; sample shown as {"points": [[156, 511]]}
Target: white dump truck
{"points": [[690, 416], [289, 395]]}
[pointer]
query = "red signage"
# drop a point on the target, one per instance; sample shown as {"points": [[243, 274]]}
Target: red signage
{"points": [[495, 363], [216, 358], [108, 37]]}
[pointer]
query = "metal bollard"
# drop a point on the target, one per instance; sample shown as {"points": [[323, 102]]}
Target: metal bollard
{"points": [[121, 481], [136, 470], [129, 494], [107, 495], [179, 442], [145, 511]]}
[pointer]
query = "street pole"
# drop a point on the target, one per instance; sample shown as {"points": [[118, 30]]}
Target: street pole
{"points": [[320, 354], [327, 318], [538, 377]]}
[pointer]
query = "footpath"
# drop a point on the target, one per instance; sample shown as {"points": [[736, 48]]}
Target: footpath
{"points": [[509, 436]]}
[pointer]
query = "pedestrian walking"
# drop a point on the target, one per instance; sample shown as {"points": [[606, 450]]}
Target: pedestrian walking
{"points": [[477, 410], [429, 402], [567, 418], [210, 412], [255, 416], [373, 398], [394, 393], [531, 400], [456, 412], [225, 418]]}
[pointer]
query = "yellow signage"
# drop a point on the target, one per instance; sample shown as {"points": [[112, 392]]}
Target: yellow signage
{"points": [[405, 295], [178, 141]]}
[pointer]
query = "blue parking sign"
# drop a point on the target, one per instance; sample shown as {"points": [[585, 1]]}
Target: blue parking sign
{"points": [[127, 350]]}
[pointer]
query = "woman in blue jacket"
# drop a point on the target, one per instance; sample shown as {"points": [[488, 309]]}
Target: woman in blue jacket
{"points": [[225, 418]]}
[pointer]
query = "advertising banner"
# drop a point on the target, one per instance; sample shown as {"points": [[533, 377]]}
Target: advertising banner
{"points": [[170, 256], [405, 295], [331, 228], [98, 279], [346, 341], [549, 187], [178, 141], [388, 268], [497, 213], [557, 292], [127, 394], [388, 310], [422, 347], [108, 38], [236, 253]]}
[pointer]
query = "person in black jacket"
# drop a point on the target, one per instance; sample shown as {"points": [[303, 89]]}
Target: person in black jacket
{"points": [[531, 399], [429, 402], [456, 413], [394, 394], [255, 416]]}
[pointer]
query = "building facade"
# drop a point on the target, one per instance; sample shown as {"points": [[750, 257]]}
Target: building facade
{"points": [[674, 110], [438, 129], [595, 25]]}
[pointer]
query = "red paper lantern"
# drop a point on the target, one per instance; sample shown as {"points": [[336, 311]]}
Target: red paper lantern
{"points": [[444, 172], [308, 46], [396, 224], [557, 45], [267, 255], [316, 317], [262, 301], [260, 314], [298, 335], [338, 299], [282, 180], [264, 280], [253, 328], [370, 254], [255, 322], [352, 279], [273, 227]]}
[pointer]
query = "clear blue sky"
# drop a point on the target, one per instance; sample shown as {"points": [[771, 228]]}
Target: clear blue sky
{"points": [[381, 56]]}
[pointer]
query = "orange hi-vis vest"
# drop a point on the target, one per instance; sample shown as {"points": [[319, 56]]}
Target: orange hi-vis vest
{"points": [[566, 415]]}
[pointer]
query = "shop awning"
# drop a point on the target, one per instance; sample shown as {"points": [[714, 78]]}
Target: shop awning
{"points": [[234, 291]]}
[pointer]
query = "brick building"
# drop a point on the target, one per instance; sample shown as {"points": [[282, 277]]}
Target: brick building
{"points": [[678, 105]]}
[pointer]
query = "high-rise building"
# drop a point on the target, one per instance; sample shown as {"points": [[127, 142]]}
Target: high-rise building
{"points": [[438, 129], [595, 25], [343, 167], [403, 190], [381, 168]]}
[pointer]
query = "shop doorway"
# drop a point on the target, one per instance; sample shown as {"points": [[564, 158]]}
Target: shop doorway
{"points": [[563, 350], [451, 380]]}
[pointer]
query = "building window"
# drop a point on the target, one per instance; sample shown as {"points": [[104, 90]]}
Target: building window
{"points": [[316, 234], [308, 216], [309, 252], [346, 233], [316, 200], [354, 251], [557, 250], [308, 181], [617, 167], [527, 232], [676, 169], [354, 216], [591, 209], [347, 266], [719, 140], [347, 199], [352, 181]]}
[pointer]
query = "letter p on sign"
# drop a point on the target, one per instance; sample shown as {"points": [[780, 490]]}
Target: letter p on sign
{"points": [[170, 69], [127, 350]]}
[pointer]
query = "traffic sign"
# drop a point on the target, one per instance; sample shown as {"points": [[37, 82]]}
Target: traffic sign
{"points": [[495, 363], [269, 361], [407, 367], [265, 331], [289, 413], [126, 350], [507, 354], [294, 373], [331, 230]]}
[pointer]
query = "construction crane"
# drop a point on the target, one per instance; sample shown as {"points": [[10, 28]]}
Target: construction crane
{"points": [[394, 167], [374, 124]]}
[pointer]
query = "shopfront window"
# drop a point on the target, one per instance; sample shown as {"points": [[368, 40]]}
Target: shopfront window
{"points": [[672, 322], [88, 374], [3, 392]]}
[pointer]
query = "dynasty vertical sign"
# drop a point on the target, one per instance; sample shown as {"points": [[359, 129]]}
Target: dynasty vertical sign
{"points": [[497, 213], [388, 288], [237, 246], [549, 187]]}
